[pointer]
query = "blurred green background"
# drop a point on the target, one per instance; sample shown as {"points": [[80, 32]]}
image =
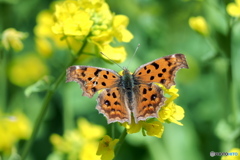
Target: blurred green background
{"points": [[209, 89]]}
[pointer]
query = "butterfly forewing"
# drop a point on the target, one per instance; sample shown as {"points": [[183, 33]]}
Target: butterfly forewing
{"points": [[161, 70], [112, 105], [92, 79], [149, 99]]}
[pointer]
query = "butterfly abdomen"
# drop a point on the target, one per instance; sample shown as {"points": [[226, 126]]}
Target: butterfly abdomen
{"points": [[128, 85]]}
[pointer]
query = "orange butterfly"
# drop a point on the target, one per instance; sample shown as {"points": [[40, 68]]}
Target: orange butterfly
{"points": [[128, 94]]}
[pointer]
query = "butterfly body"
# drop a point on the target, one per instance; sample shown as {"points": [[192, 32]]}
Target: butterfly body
{"points": [[126, 95]]}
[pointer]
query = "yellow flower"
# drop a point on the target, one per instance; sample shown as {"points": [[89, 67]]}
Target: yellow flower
{"points": [[71, 21], [120, 32], [153, 128], [117, 54], [45, 38], [26, 70], [199, 24], [90, 131], [13, 127], [80, 143], [92, 20], [106, 148], [171, 113], [235, 155], [233, 9], [13, 38], [87, 151]]}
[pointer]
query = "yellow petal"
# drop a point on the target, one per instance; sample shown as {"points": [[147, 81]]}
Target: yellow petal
{"points": [[154, 128], [199, 24], [233, 9]]}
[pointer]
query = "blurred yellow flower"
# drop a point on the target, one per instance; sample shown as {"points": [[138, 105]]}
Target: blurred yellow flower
{"points": [[80, 143], [13, 38], [120, 23], [89, 151], [45, 38], [199, 25], [235, 156], [13, 127], [233, 9], [90, 131], [117, 54], [106, 148], [26, 70]]}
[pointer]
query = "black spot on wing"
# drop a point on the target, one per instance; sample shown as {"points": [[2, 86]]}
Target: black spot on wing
{"points": [[105, 76], [97, 72], [116, 103], [114, 95], [162, 81], [83, 74], [93, 89], [160, 75], [155, 65], [152, 78], [107, 103], [144, 91], [153, 97]]}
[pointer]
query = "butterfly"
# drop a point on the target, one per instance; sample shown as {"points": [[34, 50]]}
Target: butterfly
{"points": [[126, 95]]}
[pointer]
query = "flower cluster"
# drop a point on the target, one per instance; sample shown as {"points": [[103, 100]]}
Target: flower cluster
{"points": [[169, 112], [81, 143], [13, 127], [11, 38], [81, 20]]}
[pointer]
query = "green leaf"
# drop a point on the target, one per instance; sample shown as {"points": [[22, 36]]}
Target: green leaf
{"points": [[41, 85]]}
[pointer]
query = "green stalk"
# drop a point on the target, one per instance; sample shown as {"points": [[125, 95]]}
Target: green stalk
{"points": [[45, 105], [3, 80], [120, 142]]}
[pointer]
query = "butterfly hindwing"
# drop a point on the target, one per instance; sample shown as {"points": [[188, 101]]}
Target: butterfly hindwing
{"points": [[112, 105], [92, 79], [161, 70], [149, 99]]}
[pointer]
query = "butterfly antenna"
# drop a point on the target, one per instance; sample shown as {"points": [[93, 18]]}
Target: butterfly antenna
{"points": [[112, 60], [133, 55]]}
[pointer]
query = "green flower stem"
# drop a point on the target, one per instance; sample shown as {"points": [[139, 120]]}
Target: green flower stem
{"points": [[3, 80], [46, 102], [113, 130], [120, 142]]}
